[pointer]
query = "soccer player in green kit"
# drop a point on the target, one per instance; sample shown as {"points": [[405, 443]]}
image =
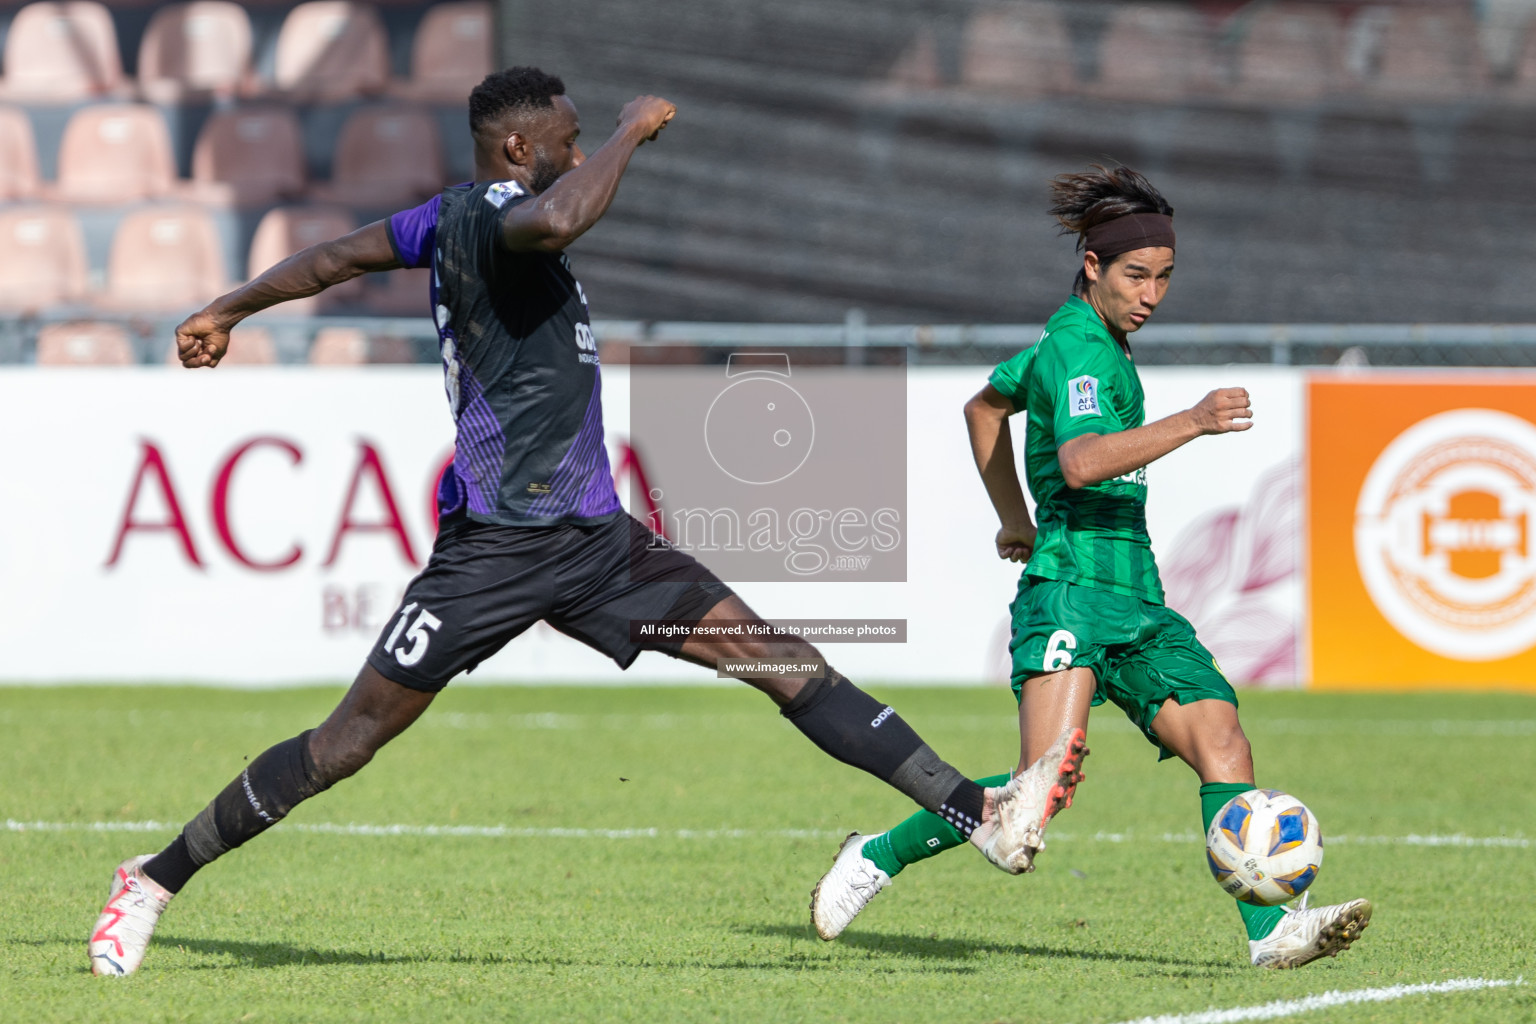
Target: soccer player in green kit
{"points": [[1089, 622]]}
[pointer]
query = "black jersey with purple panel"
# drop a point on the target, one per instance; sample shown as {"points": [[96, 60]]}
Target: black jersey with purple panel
{"points": [[520, 365]]}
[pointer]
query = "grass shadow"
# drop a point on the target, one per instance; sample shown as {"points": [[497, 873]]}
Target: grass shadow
{"points": [[934, 947], [233, 954]]}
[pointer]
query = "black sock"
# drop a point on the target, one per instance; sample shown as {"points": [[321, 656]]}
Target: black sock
{"points": [[858, 730], [963, 807], [275, 783], [172, 866]]}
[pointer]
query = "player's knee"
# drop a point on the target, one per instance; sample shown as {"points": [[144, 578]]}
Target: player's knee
{"points": [[338, 757], [1230, 747], [792, 648]]}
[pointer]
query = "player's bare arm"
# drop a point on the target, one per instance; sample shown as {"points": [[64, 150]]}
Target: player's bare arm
{"points": [[1093, 458], [203, 338], [581, 195], [986, 419]]}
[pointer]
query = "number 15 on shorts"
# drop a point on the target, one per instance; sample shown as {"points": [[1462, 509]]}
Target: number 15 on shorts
{"points": [[417, 637]]}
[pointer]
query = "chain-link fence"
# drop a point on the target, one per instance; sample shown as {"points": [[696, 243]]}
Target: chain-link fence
{"points": [[394, 340]]}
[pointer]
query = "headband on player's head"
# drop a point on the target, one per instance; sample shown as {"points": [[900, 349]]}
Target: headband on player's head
{"points": [[1133, 231]]}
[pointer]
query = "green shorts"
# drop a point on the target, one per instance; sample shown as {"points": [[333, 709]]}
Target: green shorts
{"points": [[1141, 653]]}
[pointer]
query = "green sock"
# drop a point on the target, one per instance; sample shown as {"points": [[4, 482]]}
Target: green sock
{"points": [[921, 836], [1259, 921]]}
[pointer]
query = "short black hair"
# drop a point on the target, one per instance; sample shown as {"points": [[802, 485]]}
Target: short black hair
{"points": [[502, 91]]}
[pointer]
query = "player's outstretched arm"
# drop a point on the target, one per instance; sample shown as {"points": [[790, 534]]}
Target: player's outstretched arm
{"points": [[1094, 458], [203, 338], [563, 212], [986, 419]]}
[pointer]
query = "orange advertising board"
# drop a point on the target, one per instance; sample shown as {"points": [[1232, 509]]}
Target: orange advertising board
{"points": [[1421, 498]]}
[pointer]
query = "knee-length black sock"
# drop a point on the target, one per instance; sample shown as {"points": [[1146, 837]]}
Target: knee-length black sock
{"points": [[858, 730], [275, 783]]}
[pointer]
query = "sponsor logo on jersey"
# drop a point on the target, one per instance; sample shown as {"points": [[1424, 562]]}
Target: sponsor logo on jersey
{"points": [[498, 194], [1083, 396], [1443, 534], [536, 488], [1135, 476], [882, 716]]}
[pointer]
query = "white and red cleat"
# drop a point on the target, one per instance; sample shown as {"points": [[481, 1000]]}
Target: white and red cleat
{"points": [[134, 903], [1029, 801]]}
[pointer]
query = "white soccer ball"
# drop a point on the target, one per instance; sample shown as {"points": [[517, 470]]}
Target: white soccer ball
{"points": [[1264, 847]]}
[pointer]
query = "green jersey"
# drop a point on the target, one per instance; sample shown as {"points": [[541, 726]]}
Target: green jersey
{"points": [[1078, 380]]}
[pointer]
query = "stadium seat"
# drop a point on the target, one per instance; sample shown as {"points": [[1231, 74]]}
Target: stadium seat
{"points": [[1430, 53], [62, 52], [115, 153], [165, 258], [352, 346], [249, 156], [388, 155], [1156, 53], [195, 50], [451, 52], [339, 346], [42, 258], [248, 346], [84, 343], [1524, 84], [1022, 51], [1290, 51], [1505, 32], [331, 50], [18, 156], [287, 229]]}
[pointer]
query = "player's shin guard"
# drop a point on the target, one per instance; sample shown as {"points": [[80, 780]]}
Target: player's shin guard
{"points": [[858, 730], [275, 783]]}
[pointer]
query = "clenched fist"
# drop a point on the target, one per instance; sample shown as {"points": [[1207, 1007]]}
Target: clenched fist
{"points": [[1223, 410], [649, 113]]}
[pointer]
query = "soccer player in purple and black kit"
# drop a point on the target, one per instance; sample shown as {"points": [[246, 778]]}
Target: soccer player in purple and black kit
{"points": [[530, 525]]}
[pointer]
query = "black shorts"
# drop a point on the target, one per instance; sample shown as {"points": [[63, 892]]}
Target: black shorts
{"points": [[486, 583]]}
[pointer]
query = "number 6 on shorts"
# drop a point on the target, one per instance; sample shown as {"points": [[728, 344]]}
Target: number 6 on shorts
{"points": [[1058, 651]]}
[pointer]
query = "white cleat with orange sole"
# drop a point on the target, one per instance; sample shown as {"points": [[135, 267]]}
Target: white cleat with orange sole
{"points": [[1030, 800], [1307, 934], [134, 904]]}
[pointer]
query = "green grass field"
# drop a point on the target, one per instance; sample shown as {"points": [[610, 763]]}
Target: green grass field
{"points": [[670, 918]]}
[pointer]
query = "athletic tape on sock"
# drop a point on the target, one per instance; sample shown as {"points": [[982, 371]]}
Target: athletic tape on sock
{"points": [[927, 778], [280, 779]]}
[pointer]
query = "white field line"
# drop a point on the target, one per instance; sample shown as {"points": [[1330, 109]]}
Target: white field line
{"points": [[1326, 1001], [562, 721], [554, 721], [469, 831], [515, 832]]}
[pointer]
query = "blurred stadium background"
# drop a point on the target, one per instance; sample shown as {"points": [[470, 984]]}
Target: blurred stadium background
{"points": [[1341, 164], [856, 182]]}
